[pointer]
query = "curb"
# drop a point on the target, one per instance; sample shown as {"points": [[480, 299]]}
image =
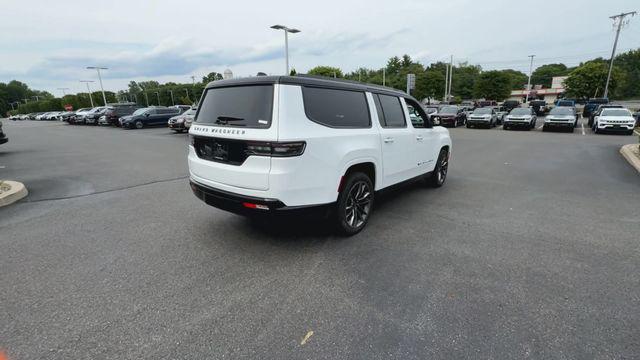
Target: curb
{"points": [[631, 157], [17, 192]]}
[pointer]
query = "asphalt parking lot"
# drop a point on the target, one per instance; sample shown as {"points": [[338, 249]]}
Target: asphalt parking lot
{"points": [[530, 250]]}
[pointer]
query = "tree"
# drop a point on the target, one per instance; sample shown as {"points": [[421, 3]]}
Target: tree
{"points": [[518, 79], [327, 71], [544, 74], [464, 79], [629, 63], [212, 76], [293, 72], [589, 79], [493, 85]]}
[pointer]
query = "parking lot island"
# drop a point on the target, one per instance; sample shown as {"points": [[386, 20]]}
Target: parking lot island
{"points": [[631, 152], [11, 191]]}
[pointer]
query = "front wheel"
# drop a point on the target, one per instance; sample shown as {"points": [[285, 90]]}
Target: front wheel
{"points": [[139, 124], [355, 203]]}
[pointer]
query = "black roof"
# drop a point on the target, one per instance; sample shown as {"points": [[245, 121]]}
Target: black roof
{"points": [[310, 80]]}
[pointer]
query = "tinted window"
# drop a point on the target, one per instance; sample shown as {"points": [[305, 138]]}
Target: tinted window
{"points": [[392, 110], [449, 110], [246, 106], [336, 108]]}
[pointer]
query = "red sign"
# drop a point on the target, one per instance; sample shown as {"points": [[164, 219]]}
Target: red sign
{"points": [[68, 107]]}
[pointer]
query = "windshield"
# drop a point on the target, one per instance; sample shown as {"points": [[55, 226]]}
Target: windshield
{"points": [[139, 111], [561, 111], [449, 110], [246, 106], [190, 112], [482, 111], [615, 112], [520, 111]]}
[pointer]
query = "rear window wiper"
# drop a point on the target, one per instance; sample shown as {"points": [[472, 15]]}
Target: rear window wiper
{"points": [[223, 120]]}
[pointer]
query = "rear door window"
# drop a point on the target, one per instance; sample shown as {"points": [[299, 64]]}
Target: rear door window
{"points": [[392, 112], [336, 108], [238, 106]]}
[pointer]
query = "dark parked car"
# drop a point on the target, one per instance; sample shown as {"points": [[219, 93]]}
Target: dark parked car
{"points": [[92, 116], [116, 111], [539, 107], [450, 115], [151, 116], [592, 105], [510, 105], [3, 137], [598, 110]]}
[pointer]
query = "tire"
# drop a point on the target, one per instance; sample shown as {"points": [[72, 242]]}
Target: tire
{"points": [[138, 124], [439, 174], [544, 128], [595, 129], [468, 126], [354, 205], [506, 127], [630, 132]]}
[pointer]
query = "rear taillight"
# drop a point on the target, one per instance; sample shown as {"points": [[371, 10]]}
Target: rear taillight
{"points": [[276, 149]]}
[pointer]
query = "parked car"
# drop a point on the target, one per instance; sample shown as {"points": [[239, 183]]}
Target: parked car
{"points": [[501, 112], [92, 116], [539, 107], [510, 105], [565, 102], [592, 105], [78, 116], [523, 117], [597, 111], [637, 116], [247, 144], [151, 116], [65, 115], [450, 115], [3, 137], [430, 110], [614, 120], [179, 123], [487, 103], [115, 112], [483, 116], [561, 117]]}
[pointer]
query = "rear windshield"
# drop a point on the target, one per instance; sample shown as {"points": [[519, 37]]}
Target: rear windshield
{"points": [[242, 106], [449, 110]]}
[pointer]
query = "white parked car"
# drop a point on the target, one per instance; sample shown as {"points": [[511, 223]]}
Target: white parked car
{"points": [[614, 120], [561, 117], [523, 117], [484, 116], [270, 144]]}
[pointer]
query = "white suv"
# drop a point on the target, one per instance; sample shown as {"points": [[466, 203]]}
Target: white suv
{"points": [[268, 144]]}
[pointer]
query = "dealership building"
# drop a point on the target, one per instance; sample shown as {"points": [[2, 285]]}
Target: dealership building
{"points": [[550, 95]]}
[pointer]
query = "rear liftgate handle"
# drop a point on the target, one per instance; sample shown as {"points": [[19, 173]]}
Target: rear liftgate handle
{"points": [[388, 140]]}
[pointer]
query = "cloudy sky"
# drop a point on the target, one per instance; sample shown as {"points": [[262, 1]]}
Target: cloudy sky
{"points": [[48, 43]]}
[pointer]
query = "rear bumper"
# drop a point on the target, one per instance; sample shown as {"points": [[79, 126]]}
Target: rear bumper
{"points": [[250, 205], [517, 124]]}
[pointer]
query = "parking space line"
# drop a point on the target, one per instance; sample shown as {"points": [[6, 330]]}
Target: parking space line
{"points": [[582, 126], [540, 127], [637, 133]]}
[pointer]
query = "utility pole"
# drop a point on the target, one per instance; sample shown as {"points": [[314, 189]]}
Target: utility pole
{"points": [[446, 81], [384, 76], [187, 91], [172, 102], [146, 97], [158, 95], [619, 19], [526, 99], [88, 90], [193, 80], [450, 78]]}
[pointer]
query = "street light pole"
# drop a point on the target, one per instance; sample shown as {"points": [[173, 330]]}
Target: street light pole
{"points": [[619, 18], [146, 97], [286, 43], [526, 99], [172, 102], [88, 90], [158, 95], [98, 68], [37, 98]]}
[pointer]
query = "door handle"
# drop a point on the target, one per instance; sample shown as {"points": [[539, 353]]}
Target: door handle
{"points": [[388, 140], [419, 137]]}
